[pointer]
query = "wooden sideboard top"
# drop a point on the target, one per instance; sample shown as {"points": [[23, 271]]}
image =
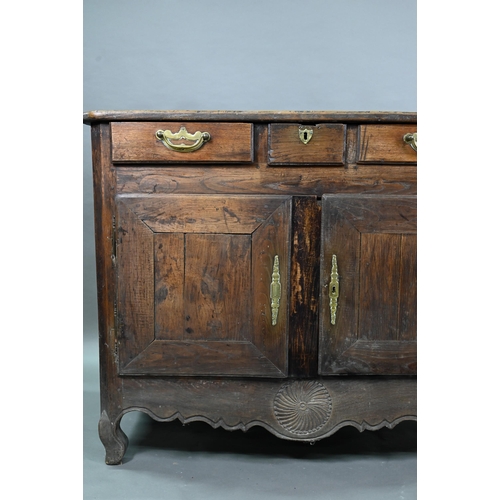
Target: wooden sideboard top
{"points": [[252, 116]]}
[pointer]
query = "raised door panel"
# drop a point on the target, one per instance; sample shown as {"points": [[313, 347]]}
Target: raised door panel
{"points": [[195, 275], [370, 328]]}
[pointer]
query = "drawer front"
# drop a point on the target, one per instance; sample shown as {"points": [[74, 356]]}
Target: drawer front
{"points": [[385, 144], [183, 143], [295, 144]]}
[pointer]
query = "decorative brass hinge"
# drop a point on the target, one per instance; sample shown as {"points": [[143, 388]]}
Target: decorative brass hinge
{"points": [[333, 290], [275, 291]]}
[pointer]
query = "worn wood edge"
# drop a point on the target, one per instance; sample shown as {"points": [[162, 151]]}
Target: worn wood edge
{"points": [[113, 438], [241, 426], [251, 116]]}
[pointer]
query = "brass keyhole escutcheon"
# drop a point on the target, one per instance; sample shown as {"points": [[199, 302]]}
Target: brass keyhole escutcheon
{"points": [[333, 290], [305, 134]]}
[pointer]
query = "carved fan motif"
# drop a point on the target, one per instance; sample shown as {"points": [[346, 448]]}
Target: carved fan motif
{"points": [[303, 407]]}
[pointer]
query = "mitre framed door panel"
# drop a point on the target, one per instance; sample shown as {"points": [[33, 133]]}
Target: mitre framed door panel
{"points": [[196, 277], [368, 285]]}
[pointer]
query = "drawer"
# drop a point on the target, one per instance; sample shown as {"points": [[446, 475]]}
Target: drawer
{"points": [[295, 144], [385, 144], [181, 142]]}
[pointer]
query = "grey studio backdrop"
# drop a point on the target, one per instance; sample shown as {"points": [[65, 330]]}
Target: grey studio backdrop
{"points": [[241, 55]]}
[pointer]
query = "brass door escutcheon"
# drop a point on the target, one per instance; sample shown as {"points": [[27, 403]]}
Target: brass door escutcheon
{"points": [[305, 134], [165, 136], [333, 290], [411, 139], [275, 291]]}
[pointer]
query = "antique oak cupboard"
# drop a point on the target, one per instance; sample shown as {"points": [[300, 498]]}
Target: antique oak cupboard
{"points": [[256, 268]]}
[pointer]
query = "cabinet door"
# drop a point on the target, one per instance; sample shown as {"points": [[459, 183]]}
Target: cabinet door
{"points": [[368, 260], [202, 284]]}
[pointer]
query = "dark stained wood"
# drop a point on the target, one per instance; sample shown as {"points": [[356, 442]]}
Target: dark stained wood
{"points": [[202, 358], [379, 282], [380, 358], [185, 247], [338, 238], [137, 142], [251, 116], [114, 439], [327, 145], [304, 292], [362, 402], [217, 287], [270, 239], [376, 214], [169, 266], [408, 288], [187, 301], [202, 214], [368, 179], [135, 284], [384, 144], [104, 180], [365, 232]]}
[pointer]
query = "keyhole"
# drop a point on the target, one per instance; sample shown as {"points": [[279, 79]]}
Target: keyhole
{"points": [[305, 136]]}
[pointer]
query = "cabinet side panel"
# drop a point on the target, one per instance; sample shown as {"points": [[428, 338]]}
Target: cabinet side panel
{"points": [[104, 189]]}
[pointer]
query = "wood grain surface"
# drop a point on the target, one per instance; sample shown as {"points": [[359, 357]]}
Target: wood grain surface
{"points": [[185, 247], [384, 144], [326, 146], [373, 238], [137, 142]]}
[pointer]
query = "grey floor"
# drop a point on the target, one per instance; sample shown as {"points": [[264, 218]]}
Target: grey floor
{"points": [[195, 461]]}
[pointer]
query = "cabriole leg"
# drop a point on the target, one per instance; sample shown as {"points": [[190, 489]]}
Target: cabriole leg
{"points": [[113, 438]]}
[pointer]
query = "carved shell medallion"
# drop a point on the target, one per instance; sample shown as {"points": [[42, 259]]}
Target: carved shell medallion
{"points": [[302, 407]]}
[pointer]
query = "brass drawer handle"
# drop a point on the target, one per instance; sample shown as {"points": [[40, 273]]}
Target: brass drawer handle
{"points": [[275, 291], [411, 139], [200, 138], [333, 290]]}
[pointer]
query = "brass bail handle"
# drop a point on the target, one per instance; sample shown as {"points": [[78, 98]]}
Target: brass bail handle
{"points": [[411, 139], [166, 137]]}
